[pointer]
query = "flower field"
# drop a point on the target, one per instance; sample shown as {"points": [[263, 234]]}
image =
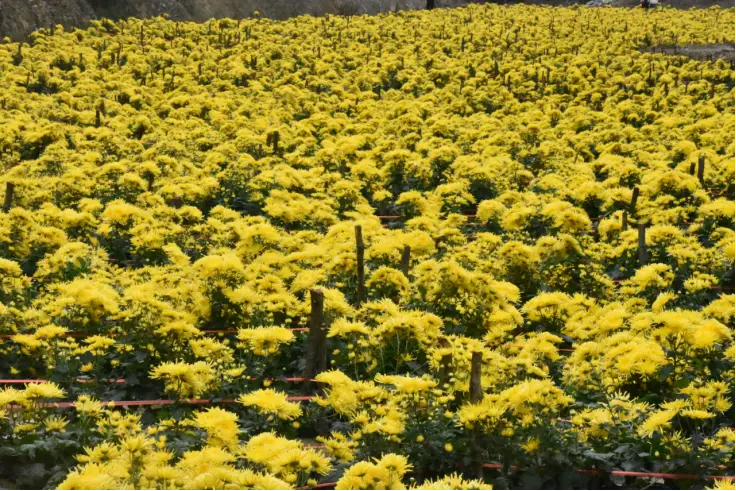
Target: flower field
{"points": [[447, 249]]}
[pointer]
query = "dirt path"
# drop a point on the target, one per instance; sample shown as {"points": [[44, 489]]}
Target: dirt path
{"points": [[703, 52]]}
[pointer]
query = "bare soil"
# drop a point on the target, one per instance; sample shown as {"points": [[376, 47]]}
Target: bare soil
{"points": [[679, 4], [704, 52]]}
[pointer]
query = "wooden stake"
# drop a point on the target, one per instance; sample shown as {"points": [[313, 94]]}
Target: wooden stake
{"points": [[476, 389], [692, 168], [445, 362], [476, 395], [361, 264], [9, 189], [405, 257], [643, 254], [275, 142], [701, 169], [634, 198], [316, 357], [624, 221]]}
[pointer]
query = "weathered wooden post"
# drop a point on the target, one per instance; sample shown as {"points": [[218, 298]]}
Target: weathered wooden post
{"points": [[634, 199], [476, 390], [476, 395], [176, 202], [444, 373], [405, 258], [643, 254], [275, 141], [361, 264], [692, 168], [701, 169], [316, 357], [624, 221], [9, 190]]}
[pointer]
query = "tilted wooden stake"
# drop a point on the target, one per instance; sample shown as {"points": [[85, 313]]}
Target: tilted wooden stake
{"points": [[624, 221], [701, 169], [316, 358], [361, 264], [476, 390], [634, 198], [405, 257], [9, 189], [643, 254]]}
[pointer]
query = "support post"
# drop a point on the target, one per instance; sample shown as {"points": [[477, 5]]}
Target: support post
{"points": [[360, 246], [624, 221], [476, 389], [701, 169], [692, 168], [643, 254], [9, 190], [316, 356], [444, 373], [476, 395], [405, 258], [634, 199]]}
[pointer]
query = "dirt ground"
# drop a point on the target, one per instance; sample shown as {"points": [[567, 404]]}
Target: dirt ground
{"points": [[699, 51], [680, 4]]}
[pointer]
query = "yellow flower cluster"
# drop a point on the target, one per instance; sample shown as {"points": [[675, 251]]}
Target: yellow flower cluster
{"points": [[183, 195]]}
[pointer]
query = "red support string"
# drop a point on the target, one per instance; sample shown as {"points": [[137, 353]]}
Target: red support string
{"points": [[122, 380], [396, 217], [628, 473], [325, 485], [86, 335], [158, 402]]}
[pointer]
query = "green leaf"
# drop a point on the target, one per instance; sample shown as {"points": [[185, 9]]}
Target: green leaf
{"points": [[622, 449], [531, 481], [618, 480], [29, 449], [665, 372]]}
